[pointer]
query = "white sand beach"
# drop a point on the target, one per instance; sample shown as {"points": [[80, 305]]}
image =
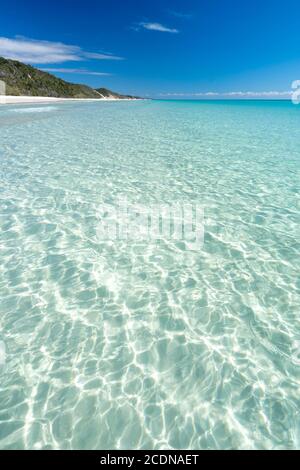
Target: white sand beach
{"points": [[6, 99]]}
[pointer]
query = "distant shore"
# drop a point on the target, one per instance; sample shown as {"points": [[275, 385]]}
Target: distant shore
{"points": [[47, 99]]}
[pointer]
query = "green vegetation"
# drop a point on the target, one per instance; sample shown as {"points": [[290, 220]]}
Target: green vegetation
{"points": [[25, 80]]}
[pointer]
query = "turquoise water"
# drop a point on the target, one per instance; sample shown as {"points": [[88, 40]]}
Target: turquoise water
{"points": [[127, 344]]}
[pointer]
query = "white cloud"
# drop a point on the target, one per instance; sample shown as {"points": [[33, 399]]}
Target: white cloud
{"points": [[258, 93], [96, 55], [158, 27], [77, 71], [33, 51], [241, 94]]}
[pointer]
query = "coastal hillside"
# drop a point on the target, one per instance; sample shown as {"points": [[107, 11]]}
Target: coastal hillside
{"points": [[105, 93], [22, 79]]}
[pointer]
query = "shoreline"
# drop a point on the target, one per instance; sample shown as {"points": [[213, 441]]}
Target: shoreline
{"points": [[7, 99]]}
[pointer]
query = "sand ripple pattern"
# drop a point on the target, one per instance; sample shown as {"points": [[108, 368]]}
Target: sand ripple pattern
{"points": [[149, 345]]}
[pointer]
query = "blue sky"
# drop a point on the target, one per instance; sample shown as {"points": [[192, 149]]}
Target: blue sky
{"points": [[160, 48]]}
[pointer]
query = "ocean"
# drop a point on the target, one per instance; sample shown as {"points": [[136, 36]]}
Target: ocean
{"points": [[132, 343]]}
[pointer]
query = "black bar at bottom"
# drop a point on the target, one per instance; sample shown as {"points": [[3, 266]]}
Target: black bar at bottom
{"points": [[131, 459]]}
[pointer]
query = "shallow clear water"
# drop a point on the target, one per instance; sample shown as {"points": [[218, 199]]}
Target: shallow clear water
{"points": [[150, 345]]}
